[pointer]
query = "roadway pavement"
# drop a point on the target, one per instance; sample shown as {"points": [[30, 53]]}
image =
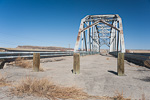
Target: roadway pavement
{"points": [[97, 76]]}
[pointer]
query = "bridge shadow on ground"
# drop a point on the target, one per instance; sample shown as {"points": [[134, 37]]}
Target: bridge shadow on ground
{"points": [[146, 79], [113, 72], [107, 55]]}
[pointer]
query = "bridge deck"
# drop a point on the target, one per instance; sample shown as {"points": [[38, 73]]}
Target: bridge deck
{"points": [[97, 77]]}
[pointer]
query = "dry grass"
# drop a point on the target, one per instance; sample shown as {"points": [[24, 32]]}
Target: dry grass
{"points": [[143, 97], [128, 51], [45, 88], [107, 58], [147, 63], [3, 81], [21, 62], [119, 96]]}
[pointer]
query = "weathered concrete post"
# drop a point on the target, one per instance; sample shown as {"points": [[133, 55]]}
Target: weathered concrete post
{"points": [[36, 61], [76, 63], [120, 66]]}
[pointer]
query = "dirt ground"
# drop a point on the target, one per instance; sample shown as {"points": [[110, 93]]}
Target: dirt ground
{"points": [[97, 76]]}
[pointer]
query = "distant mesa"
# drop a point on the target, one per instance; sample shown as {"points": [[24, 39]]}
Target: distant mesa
{"points": [[36, 48], [44, 48]]}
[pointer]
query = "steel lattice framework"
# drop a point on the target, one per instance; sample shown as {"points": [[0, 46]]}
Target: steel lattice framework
{"points": [[98, 30]]}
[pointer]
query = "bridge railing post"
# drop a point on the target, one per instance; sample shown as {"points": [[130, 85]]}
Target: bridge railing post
{"points": [[76, 63], [120, 65], [36, 62]]}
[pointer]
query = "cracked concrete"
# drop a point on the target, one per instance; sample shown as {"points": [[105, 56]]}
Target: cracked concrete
{"points": [[97, 76]]}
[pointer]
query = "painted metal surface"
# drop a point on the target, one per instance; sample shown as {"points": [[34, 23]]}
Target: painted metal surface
{"points": [[13, 55], [101, 30]]}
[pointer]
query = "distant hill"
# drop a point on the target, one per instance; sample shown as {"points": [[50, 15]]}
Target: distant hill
{"points": [[44, 48]]}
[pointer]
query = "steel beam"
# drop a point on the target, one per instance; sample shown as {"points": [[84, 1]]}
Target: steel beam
{"points": [[99, 30]]}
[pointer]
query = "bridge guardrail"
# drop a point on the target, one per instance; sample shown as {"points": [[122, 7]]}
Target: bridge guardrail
{"points": [[137, 58], [10, 55]]}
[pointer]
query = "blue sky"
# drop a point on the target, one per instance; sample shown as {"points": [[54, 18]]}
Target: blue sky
{"points": [[56, 22]]}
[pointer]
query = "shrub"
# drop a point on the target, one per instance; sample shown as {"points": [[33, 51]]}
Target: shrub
{"points": [[45, 88], [21, 62]]}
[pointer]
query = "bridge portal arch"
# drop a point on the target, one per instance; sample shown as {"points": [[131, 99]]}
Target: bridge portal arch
{"points": [[98, 30]]}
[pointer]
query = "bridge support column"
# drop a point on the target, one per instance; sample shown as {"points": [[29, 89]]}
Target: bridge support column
{"points": [[82, 47], [112, 38]]}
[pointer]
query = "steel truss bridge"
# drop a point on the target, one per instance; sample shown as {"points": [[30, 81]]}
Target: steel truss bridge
{"points": [[98, 30]]}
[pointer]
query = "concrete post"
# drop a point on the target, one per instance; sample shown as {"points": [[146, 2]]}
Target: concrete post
{"points": [[36, 62], [120, 66], [76, 63]]}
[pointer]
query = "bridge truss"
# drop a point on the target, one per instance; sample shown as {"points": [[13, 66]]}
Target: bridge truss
{"points": [[98, 30]]}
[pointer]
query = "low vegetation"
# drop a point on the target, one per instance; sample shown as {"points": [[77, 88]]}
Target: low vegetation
{"points": [[21, 62], [147, 63], [45, 88], [3, 81], [107, 58], [120, 96]]}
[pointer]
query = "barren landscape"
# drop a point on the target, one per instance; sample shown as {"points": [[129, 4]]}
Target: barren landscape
{"points": [[97, 78], [74, 50]]}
